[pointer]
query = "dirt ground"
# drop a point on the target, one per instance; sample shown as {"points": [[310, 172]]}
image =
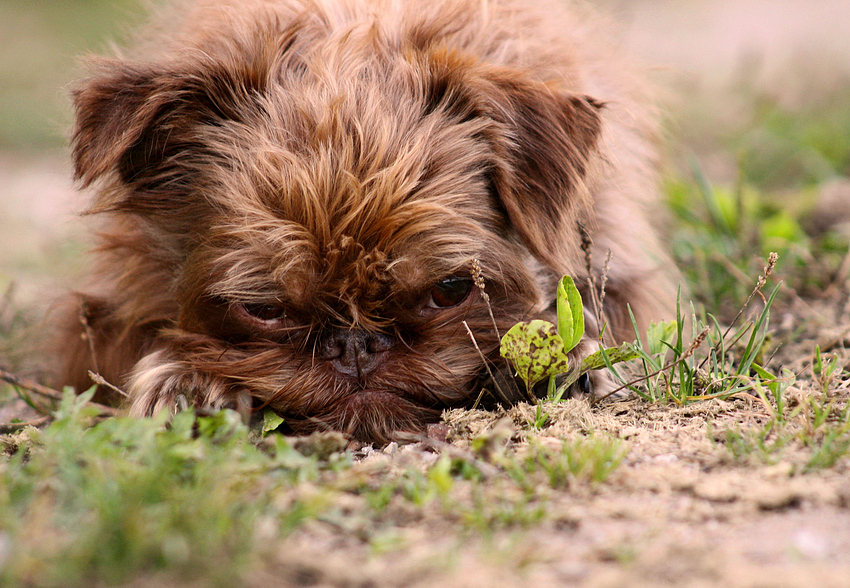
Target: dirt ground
{"points": [[681, 510], [678, 512]]}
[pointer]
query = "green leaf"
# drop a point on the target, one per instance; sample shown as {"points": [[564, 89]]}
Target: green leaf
{"points": [[220, 425], [659, 335], [766, 375], [536, 351], [75, 406], [780, 231], [596, 361], [570, 313], [271, 421]]}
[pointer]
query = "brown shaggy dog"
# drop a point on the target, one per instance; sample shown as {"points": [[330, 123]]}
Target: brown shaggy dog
{"points": [[293, 192]]}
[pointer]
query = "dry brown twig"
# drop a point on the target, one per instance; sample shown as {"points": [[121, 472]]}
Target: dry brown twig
{"points": [[87, 335], [597, 293], [30, 385], [101, 381], [586, 246], [48, 392], [760, 283], [478, 279], [604, 280], [15, 427], [487, 367]]}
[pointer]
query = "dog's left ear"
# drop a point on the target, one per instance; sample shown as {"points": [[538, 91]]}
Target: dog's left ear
{"points": [[548, 152]]}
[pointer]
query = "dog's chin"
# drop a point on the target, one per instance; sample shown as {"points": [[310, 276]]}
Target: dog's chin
{"points": [[371, 415], [375, 400]]}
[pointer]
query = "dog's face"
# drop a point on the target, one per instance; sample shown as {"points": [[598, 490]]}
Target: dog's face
{"points": [[302, 218]]}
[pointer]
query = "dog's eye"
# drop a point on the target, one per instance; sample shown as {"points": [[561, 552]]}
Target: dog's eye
{"points": [[449, 292], [264, 312]]}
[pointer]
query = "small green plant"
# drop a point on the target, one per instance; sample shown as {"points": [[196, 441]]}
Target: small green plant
{"points": [[671, 370], [815, 423], [765, 443], [824, 371], [271, 422], [491, 511], [775, 402], [538, 349], [807, 428], [834, 445], [589, 460], [541, 417]]}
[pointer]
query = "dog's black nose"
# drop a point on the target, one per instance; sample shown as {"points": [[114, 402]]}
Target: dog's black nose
{"points": [[354, 352]]}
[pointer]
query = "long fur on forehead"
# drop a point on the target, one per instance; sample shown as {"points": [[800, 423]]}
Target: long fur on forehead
{"points": [[370, 94], [355, 176]]}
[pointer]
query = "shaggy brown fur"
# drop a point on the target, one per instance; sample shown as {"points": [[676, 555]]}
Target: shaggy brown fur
{"points": [[293, 192]]}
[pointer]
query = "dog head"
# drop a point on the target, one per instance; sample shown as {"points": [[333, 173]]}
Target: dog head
{"points": [[301, 210]]}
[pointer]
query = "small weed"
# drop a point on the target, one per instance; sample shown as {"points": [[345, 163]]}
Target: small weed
{"points": [[771, 391], [765, 444], [490, 512], [824, 371], [541, 417], [585, 460], [824, 445], [538, 349], [834, 445], [814, 424], [673, 371], [825, 430]]}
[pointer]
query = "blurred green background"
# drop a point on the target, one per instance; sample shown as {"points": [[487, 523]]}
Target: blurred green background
{"points": [[40, 41]]}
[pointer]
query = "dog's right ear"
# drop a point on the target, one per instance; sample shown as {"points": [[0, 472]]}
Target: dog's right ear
{"points": [[139, 126]]}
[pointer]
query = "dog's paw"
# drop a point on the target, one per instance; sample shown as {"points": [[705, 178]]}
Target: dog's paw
{"points": [[160, 382]]}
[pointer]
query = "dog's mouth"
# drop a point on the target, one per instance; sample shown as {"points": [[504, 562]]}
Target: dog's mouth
{"points": [[374, 397]]}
